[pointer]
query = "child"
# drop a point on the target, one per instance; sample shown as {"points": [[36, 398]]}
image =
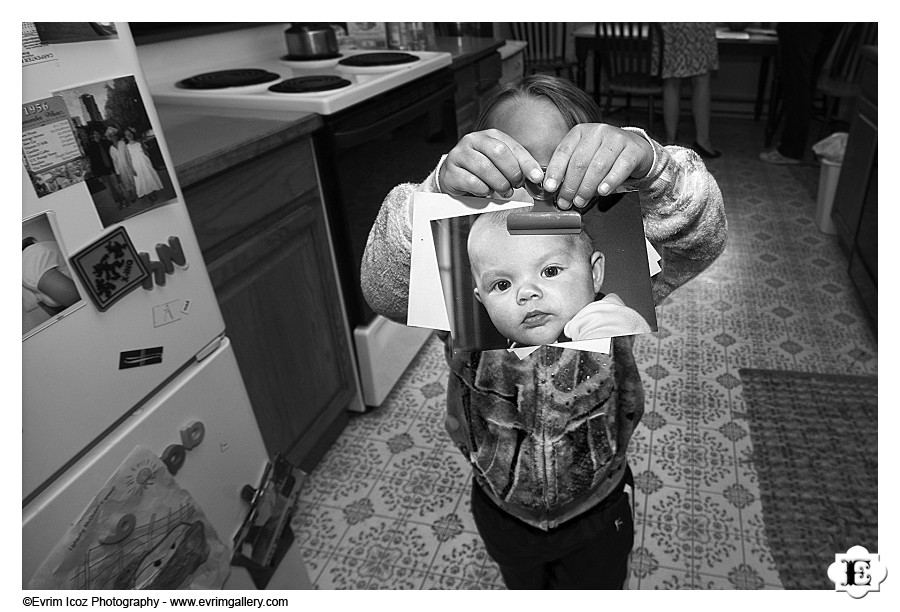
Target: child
{"points": [[541, 289], [547, 435]]}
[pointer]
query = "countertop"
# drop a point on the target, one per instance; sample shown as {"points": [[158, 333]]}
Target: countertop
{"points": [[466, 49], [205, 141], [511, 48]]}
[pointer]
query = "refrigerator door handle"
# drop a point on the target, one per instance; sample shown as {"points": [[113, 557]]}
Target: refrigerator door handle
{"points": [[209, 349]]}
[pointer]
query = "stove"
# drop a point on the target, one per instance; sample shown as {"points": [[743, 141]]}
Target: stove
{"points": [[383, 124], [321, 85]]}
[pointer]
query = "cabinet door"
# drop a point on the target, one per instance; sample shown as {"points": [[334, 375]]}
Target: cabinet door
{"points": [[279, 298], [859, 158], [490, 71], [864, 258]]}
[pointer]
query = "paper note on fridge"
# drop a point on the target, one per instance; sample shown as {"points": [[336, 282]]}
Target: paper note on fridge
{"points": [[494, 290]]}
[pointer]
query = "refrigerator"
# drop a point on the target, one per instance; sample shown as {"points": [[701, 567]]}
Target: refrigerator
{"points": [[136, 427]]}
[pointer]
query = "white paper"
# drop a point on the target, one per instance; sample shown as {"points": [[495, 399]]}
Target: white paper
{"points": [[599, 345], [653, 259]]}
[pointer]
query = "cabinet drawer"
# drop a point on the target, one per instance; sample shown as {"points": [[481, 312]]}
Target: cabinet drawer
{"points": [[866, 285], [513, 68], [859, 158], [466, 81], [466, 116], [226, 205], [490, 69]]}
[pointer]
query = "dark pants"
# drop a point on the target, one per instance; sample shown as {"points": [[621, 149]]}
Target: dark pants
{"points": [[802, 50], [590, 551]]}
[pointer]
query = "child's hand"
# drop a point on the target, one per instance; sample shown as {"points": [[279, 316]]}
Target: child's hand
{"points": [[488, 162], [595, 158]]}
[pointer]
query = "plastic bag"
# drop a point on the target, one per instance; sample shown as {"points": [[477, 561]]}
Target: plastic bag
{"points": [[832, 147]]}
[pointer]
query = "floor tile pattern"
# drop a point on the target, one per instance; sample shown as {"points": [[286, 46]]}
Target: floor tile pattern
{"points": [[388, 506]]}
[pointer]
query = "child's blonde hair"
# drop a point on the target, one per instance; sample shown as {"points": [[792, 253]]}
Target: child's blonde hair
{"points": [[573, 103]]}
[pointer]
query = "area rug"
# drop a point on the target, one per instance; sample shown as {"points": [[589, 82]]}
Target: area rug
{"points": [[815, 449]]}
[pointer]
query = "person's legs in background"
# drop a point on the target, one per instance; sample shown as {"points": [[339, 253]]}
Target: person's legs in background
{"points": [[802, 49], [700, 100], [671, 107], [700, 108], [798, 43], [690, 51]]}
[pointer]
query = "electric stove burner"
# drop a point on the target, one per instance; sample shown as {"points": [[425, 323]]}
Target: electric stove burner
{"points": [[224, 79], [378, 59], [311, 58], [309, 84]]}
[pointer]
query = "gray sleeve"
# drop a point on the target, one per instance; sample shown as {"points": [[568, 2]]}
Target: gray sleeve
{"points": [[684, 216], [384, 270]]}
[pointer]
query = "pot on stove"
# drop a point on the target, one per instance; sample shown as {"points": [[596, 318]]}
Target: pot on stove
{"points": [[311, 41]]}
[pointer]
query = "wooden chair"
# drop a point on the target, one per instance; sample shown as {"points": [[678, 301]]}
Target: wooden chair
{"points": [[839, 79], [546, 50], [626, 63]]}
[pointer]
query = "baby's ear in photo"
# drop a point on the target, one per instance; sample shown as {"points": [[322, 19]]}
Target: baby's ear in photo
{"points": [[598, 267], [477, 295]]}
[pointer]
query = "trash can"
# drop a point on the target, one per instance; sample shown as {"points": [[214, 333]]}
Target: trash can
{"points": [[829, 173], [830, 151]]}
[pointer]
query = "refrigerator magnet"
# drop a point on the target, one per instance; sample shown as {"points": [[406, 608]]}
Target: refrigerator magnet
{"points": [[110, 268], [140, 357]]}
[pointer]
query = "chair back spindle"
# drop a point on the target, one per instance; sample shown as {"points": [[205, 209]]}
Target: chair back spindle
{"points": [[630, 62], [546, 50]]}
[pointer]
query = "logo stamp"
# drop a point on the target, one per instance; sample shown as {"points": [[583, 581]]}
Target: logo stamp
{"points": [[857, 572]]}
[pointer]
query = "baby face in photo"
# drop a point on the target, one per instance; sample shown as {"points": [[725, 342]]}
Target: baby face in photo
{"points": [[531, 285]]}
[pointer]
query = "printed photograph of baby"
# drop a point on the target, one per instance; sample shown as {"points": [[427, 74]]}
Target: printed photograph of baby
{"points": [[508, 291]]}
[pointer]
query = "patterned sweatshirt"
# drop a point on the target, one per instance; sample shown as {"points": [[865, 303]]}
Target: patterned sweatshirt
{"points": [[547, 435]]}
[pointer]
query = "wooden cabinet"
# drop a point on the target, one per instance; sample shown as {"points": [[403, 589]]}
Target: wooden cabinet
{"points": [[512, 56], [475, 82], [261, 227], [855, 211], [477, 69]]}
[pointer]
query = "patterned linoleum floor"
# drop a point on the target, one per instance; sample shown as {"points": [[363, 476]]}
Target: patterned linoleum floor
{"points": [[388, 506]]}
